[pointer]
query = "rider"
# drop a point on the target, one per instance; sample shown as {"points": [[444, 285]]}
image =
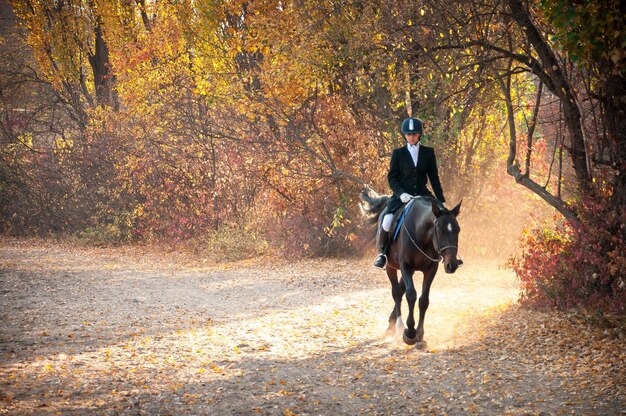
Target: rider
{"points": [[411, 167]]}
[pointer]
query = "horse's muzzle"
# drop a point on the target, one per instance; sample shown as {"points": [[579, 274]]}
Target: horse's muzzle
{"points": [[450, 266]]}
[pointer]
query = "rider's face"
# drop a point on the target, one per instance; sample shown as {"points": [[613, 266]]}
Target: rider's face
{"points": [[412, 138]]}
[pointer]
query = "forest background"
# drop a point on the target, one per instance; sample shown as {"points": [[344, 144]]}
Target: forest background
{"points": [[241, 128]]}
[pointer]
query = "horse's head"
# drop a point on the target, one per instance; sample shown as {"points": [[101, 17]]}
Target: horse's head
{"points": [[446, 235]]}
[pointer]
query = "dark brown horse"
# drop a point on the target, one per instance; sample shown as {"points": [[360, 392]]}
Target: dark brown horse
{"points": [[427, 236]]}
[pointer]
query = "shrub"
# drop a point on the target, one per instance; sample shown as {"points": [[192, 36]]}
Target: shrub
{"points": [[231, 243], [576, 264], [114, 231]]}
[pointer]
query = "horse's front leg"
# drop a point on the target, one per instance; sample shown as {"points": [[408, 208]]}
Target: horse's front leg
{"points": [[397, 291], [429, 276], [410, 335]]}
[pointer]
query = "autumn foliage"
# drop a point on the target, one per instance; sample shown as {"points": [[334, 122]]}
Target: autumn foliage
{"points": [[248, 126], [576, 263]]}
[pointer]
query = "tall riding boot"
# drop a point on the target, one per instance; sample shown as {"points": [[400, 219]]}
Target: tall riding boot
{"points": [[383, 246]]}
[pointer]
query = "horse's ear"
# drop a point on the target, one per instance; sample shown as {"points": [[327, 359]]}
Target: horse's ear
{"points": [[436, 209], [457, 210]]}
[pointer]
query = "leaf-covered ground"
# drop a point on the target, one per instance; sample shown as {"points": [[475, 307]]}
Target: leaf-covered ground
{"points": [[131, 331]]}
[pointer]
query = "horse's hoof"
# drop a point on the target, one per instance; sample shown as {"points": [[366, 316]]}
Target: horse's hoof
{"points": [[409, 341]]}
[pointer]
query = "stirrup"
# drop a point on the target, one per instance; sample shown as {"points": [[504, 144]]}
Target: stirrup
{"points": [[377, 263]]}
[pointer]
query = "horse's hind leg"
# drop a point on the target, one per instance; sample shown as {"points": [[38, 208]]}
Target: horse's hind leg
{"points": [[397, 291]]}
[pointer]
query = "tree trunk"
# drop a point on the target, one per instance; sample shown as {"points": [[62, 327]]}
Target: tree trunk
{"points": [[613, 96], [102, 74], [513, 168], [555, 80], [144, 15]]}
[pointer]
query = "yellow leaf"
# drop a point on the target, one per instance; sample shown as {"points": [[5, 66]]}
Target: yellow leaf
{"points": [[216, 369]]}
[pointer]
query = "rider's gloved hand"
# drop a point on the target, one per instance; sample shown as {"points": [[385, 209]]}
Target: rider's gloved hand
{"points": [[405, 198]]}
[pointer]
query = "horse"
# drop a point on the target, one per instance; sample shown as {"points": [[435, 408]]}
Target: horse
{"points": [[428, 235]]}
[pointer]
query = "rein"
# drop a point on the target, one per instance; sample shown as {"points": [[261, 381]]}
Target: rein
{"points": [[418, 247]]}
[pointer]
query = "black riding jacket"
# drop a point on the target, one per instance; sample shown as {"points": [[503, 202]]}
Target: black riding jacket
{"points": [[405, 177]]}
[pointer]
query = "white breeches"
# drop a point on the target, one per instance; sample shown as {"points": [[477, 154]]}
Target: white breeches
{"points": [[387, 222]]}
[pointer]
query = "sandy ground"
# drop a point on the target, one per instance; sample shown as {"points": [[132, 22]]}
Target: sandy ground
{"points": [[135, 332]]}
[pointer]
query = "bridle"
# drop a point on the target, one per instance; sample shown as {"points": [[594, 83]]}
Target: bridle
{"points": [[435, 242], [436, 238]]}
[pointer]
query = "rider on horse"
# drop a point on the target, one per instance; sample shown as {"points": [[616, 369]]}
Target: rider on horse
{"points": [[412, 166]]}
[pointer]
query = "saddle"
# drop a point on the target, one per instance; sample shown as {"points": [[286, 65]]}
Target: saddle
{"points": [[398, 219]]}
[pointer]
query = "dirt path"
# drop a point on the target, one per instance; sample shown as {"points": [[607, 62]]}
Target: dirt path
{"points": [[87, 331]]}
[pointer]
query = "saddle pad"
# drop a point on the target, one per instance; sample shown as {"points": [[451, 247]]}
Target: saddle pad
{"points": [[401, 219]]}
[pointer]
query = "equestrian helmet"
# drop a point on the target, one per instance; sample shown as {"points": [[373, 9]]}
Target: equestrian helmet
{"points": [[412, 125]]}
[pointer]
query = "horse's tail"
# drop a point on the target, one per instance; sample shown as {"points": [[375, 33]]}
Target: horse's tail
{"points": [[372, 204]]}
